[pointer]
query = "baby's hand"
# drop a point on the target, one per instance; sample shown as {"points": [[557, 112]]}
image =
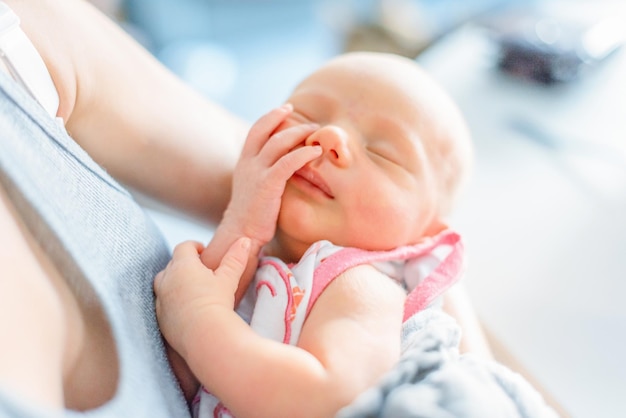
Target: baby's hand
{"points": [[267, 161], [187, 291]]}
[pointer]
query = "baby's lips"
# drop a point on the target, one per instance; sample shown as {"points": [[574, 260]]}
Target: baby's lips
{"points": [[315, 179]]}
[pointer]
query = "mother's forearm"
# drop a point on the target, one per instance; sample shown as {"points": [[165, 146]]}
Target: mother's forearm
{"points": [[132, 115]]}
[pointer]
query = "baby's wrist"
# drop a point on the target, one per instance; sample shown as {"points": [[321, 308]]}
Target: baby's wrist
{"points": [[235, 228], [225, 235]]}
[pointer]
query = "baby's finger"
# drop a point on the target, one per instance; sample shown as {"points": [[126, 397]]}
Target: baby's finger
{"points": [[157, 281], [234, 262], [187, 249], [292, 162], [263, 128], [284, 141]]}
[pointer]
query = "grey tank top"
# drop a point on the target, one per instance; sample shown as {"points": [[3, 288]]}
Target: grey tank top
{"points": [[101, 241]]}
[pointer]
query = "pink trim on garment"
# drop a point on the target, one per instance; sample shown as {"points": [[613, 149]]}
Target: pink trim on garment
{"points": [[441, 278], [266, 283], [287, 283], [221, 411], [196, 399]]}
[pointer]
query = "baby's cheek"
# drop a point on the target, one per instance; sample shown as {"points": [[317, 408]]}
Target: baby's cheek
{"points": [[389, 226]]}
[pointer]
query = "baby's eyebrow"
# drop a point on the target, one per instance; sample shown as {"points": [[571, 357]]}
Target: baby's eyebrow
{"points": [[391, 127], [321, 97]]}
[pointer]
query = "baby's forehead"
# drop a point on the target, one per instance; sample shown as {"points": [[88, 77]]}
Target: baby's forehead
{"points": [[387, 83], [378, 66], [367, 60], [387, 79], [346, 79]]}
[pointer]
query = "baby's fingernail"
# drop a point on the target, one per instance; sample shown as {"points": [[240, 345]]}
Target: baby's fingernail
{"points": [[287, 106], [314, 125], [245, 244]]}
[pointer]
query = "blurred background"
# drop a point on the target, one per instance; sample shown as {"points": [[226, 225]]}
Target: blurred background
{"points": [[543, 87], [249, 54]]}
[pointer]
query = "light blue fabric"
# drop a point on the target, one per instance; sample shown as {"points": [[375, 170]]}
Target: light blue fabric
{"points": [[101, 241], [433, 381]]}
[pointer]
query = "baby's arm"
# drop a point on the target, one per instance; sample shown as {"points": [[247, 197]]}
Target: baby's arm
{"points": [[351, 337], [267, 161]]}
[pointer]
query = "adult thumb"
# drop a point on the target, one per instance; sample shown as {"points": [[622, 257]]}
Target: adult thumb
{"points": [[235, 260]]}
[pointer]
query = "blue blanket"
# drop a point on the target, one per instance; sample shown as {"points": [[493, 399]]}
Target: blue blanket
{"points": [[433, 381]]}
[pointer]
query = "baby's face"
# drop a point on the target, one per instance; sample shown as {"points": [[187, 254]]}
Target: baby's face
{"points": [[373, 186]]}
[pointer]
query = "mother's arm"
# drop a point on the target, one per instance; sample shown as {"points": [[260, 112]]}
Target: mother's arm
{"points": [[457, 304], [132, 115]]}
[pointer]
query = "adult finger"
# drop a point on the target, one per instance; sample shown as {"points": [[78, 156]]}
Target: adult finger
{"points": [[158, 279], [263, 128]]}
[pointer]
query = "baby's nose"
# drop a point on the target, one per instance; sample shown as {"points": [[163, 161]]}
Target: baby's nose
{"points": [[334, 142]]}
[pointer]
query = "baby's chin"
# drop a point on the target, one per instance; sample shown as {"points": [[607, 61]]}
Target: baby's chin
{"points": [[286, 248]]}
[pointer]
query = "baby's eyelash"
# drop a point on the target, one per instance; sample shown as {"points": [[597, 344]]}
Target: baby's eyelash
{"points": [[388, 157], [380, 154]]}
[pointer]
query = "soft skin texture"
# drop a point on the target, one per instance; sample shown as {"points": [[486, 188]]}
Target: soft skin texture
{"points": [[396, 153], [264, 166], [132, 115], [356, 157]]}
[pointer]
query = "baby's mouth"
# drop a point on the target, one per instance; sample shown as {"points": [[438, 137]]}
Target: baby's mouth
{"points": [[314, 179]]}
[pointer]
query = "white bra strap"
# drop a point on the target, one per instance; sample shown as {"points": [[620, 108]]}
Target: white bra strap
{"points": [[24, 63]]}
